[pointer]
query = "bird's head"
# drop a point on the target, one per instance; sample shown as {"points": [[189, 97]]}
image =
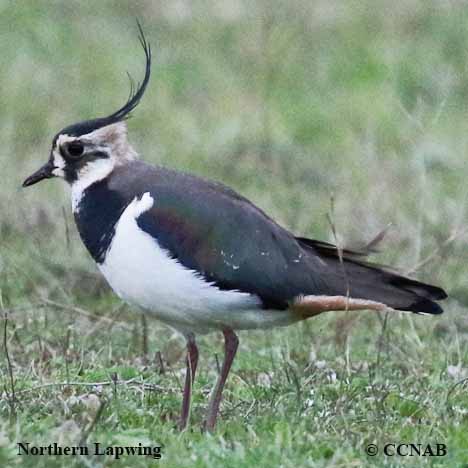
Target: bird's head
{"points": [[88, 151]]}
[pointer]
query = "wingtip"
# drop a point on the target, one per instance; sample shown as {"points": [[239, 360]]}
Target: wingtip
{"points": [[426, 306]]}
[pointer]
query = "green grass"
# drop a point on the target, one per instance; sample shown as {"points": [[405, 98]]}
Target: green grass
{"points": [[300, 106]]}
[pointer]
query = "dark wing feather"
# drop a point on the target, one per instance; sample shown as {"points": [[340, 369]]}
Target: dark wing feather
{"points": [[213, 230]]}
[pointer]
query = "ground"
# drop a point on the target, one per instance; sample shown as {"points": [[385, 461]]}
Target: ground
{"points": [[324, 113]]}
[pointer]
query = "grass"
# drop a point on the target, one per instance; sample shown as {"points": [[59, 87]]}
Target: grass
{"points": [[293, 104]]}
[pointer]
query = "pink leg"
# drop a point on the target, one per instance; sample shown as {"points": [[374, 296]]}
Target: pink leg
{"points": [[192, 361], [231, 342]]}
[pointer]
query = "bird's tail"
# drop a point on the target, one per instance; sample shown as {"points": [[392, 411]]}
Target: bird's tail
{"points": [[349, 276]]}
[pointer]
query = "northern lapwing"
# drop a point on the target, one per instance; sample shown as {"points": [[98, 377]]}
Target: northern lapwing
{"points": [[200, 257]]}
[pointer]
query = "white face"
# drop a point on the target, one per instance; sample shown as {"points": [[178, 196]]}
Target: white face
{"points": [[88, 158], [57, 159], [85, 159]]}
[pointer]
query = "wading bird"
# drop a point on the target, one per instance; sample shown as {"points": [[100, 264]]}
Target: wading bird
{"points": [[200, 257]]}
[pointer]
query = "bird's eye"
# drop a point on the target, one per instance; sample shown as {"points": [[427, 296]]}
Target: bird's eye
{"points": [[75, 149]]}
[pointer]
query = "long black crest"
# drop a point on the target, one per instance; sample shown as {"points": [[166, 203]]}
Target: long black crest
{"points": [[136, 93], [135, 96]]}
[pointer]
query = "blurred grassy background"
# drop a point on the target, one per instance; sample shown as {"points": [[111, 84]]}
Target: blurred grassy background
{"points": [[298, 105]]}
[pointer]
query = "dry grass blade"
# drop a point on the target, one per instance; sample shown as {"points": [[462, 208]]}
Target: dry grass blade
{"points": [[11, 395], [92, 424], [85, 313], [433, 255], [130, 382], [372, 245]]}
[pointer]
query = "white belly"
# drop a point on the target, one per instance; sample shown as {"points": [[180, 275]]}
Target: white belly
{"points": [[144, 274]]}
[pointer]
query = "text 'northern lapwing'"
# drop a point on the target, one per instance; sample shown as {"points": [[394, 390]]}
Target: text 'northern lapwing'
{"points": [[200, 257]]}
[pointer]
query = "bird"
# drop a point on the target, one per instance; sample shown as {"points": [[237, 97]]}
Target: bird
{"points": [[198, 256]]}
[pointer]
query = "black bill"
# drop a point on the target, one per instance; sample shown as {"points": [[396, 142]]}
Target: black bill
{"points": [[45, 172]]}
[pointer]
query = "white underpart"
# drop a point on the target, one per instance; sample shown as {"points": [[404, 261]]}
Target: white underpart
{"points": [[143, 273]]}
